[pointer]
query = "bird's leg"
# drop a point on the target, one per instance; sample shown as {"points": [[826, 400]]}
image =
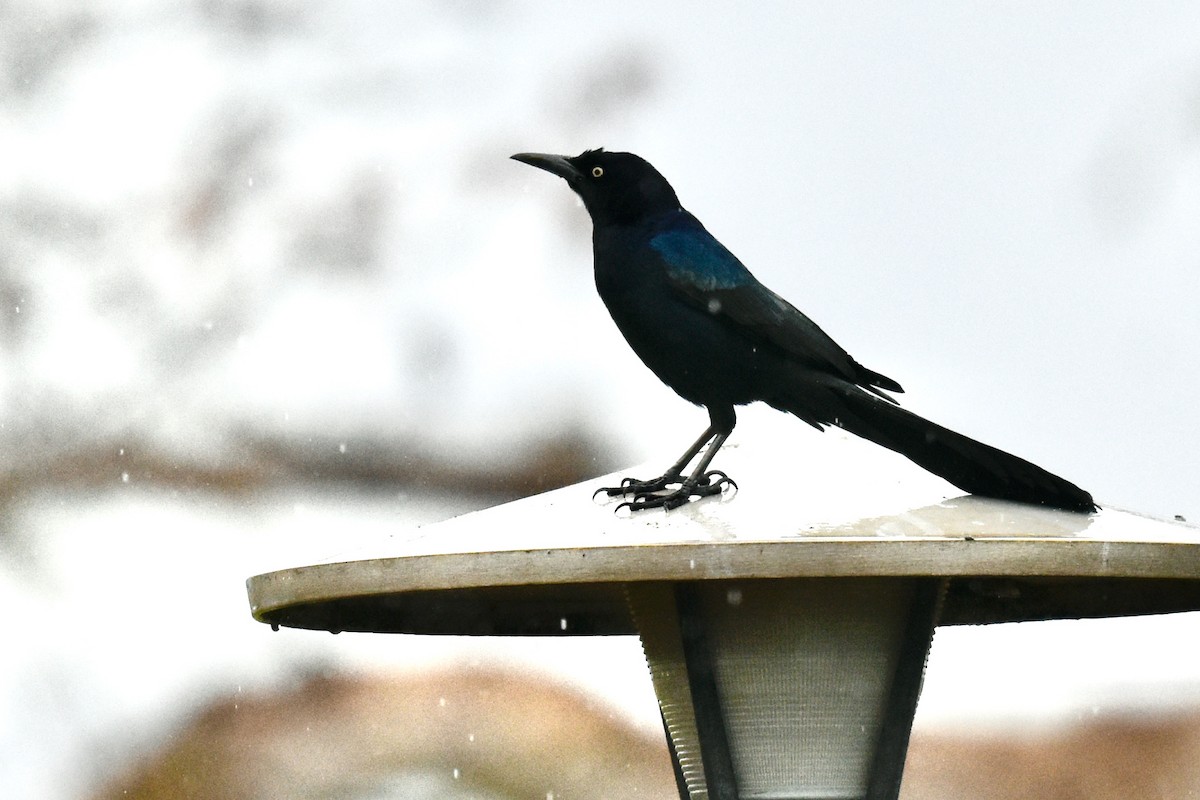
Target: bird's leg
{"points": [[701, 483], [636, 487]]}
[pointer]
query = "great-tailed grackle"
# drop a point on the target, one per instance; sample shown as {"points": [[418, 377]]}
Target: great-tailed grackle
{"points": [[709, 330]]}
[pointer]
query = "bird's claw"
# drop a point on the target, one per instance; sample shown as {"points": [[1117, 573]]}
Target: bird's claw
{"points": [[636, 487], [714, 482]]}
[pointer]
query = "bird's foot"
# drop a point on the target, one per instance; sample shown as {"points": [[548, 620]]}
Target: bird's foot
{"points": [[648, 494], [636, 487]]}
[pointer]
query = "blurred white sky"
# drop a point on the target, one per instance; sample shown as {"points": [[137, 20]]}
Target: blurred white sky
{"points": [[994, 204]]}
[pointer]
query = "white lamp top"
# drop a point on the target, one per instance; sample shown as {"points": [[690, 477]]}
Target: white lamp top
{"points": [[555, 563]]}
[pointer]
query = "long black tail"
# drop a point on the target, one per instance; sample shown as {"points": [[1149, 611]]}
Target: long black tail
{"points": [[970, 465]]}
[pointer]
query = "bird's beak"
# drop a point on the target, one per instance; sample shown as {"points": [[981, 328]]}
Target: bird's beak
{"points": [[557, 165]]}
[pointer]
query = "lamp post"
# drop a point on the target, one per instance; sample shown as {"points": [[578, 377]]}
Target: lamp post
{"points": [[786, 632]]}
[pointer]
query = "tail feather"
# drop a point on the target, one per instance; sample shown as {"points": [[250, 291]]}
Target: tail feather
{"points": [[970, 465]]}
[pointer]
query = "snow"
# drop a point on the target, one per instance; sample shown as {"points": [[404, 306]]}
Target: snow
{"points": [[302, 219]]}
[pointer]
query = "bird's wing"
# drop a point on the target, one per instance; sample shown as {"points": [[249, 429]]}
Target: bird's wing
{"points": [[708, 275]]}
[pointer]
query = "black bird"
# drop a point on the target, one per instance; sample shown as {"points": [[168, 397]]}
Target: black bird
{"points": [[709, 330]]}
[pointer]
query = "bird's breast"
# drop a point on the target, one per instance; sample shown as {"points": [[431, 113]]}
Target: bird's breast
{"points": [[687, 347]]}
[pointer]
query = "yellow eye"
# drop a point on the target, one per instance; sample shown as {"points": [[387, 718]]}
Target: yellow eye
{"points": [[597, 172]]}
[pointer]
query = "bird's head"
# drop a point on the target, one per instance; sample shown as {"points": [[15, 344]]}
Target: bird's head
{"points": [[614, 187]]}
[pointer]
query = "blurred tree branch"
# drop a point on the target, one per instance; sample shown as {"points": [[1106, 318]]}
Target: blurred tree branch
{"points": [[256, 462]]}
